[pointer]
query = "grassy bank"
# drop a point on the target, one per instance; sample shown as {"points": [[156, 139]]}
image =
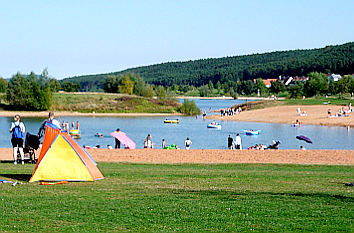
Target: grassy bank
{"points": [[184, 198], [111, 103], [105, 103]]}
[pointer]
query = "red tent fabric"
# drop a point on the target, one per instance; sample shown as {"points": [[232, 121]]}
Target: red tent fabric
{"points": [[123, 138]]}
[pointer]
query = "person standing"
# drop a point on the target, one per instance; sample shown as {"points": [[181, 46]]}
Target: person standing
{"points": [[230, 142], [238, 142], [149, 142], [188, 143], [163, 143], [117, 145], [77, 125], [50, 120], [17, 129]]}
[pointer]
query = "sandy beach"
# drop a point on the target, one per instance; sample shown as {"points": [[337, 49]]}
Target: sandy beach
{"points": [[159, 156], [316, 115]]}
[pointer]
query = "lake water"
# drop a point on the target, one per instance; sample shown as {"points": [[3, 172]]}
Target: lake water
{"points": [[137, 129]]}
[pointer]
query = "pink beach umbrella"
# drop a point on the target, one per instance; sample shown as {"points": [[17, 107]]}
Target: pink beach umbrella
{"points": [[123, 138]]}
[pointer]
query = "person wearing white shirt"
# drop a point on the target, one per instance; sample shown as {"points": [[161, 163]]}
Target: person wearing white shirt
{"points": [[50, 120], [188, 144], [238, 142]]}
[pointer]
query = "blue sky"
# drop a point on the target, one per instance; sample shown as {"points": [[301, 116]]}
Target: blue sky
{"points": [[89, 37]]}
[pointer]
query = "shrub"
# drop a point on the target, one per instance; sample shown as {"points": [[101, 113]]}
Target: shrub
{"points": [[189, 108]]}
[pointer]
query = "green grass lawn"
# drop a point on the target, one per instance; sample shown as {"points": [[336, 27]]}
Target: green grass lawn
{"points": [[183, 198]]}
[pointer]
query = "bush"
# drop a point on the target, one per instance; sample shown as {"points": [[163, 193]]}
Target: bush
{"points": [[29, 93], [189, 108]]}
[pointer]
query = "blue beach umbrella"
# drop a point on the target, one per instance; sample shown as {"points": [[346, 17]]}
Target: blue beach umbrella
{"points": [[304, 138]]}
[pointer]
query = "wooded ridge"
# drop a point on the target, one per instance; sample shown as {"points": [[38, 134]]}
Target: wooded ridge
{"points": [[330, 59]]}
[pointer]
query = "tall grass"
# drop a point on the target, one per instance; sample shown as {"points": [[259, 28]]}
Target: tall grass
{"points": [[114, 103]]}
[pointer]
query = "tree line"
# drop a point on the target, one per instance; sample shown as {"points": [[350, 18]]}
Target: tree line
{"points": [[33, 92], [317, 84], [331, 59]]}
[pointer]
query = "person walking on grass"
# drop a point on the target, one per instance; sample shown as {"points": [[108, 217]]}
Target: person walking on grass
{"points": [[17, 129], [238, 142]]}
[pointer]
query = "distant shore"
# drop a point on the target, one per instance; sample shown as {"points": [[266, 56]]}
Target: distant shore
{"points": [[315, 115], [44, 114]]}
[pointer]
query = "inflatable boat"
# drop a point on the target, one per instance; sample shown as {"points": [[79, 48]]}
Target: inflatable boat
{"points": [[252, 132], [171, 121], [214, 125], [172, 147], [75, 133]]}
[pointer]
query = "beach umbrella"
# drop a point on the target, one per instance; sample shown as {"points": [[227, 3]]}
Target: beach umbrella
{"points": [[123, 138], [304, 138]]}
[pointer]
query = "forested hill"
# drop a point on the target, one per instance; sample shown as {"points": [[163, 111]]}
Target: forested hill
{"points": [[331, 59]]}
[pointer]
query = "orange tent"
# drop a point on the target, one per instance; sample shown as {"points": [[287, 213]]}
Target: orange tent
{"points": [[62, 158]]}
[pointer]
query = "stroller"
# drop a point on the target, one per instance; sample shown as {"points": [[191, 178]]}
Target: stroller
{"points": [[31, 144]]}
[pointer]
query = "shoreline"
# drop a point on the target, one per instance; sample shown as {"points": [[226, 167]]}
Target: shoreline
{"points": [[226, 98], [203, 156], [44, 114], [316, 115]]}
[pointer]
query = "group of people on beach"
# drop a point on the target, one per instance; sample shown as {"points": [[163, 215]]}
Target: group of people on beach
{"points": [[257, 147], [342, 112], [148, 143], [230, 111]]}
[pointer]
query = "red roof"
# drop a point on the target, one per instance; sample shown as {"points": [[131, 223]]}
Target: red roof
{"points": [[267, 82]]}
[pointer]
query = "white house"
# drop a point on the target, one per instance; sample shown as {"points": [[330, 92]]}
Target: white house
{"points": [[334, 77]]}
